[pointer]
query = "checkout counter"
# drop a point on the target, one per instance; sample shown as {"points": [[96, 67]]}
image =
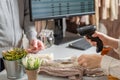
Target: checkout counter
{"points": [[60, 52]]}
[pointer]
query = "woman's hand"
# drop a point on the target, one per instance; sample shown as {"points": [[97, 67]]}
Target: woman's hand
{"points": [[103, 37], [90, 60], [35, 46], [107, 40]]}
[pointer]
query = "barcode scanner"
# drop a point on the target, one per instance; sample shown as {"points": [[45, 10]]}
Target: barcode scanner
{"points": [[88, 31]]}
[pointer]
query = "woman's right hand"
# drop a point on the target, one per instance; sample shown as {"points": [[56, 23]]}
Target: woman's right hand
{"points": [[107, 40], [101, 36]]}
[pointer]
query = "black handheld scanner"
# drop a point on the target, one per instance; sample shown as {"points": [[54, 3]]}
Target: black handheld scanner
{"points": [[88, 31]]}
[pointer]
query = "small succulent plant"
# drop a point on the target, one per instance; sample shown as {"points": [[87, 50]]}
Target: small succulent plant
{"points": [[14, 54], [31, 62]]}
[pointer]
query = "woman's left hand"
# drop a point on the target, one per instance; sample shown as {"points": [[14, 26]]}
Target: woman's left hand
{"points": [[90, 60], [35, 46]]}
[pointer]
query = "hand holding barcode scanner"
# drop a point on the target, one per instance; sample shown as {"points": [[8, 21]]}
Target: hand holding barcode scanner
{"points": [[88, 31]]}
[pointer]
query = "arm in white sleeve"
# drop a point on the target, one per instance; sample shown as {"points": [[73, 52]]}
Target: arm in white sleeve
{"points": [[111, 66], [29, 27], [118, 49]]}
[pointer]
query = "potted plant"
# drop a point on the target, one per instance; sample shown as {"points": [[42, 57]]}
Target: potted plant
{"points": [[32, 63], [12, 60]]}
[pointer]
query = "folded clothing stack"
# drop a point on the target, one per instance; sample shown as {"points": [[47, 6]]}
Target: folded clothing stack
{"points": [[68, 68]]}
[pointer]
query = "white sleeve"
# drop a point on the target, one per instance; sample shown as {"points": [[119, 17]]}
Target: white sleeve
{"points": [[111, 66], [29, 26], [118, 49]]}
